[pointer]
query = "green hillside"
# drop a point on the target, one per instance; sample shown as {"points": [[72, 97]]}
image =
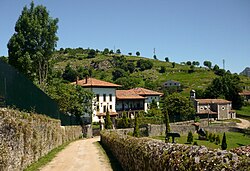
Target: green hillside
{"points": [[103, 65]]}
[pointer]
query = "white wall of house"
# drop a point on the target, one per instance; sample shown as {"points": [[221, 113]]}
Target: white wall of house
{"points": [[102, 104], [149, 99]]}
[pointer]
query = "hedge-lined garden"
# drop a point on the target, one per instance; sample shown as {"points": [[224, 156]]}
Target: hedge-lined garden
{"points": [[148, 154]]}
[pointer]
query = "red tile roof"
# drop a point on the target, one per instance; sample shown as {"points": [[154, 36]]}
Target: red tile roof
{"points": [[210, 101], [92, 82], [145, 92], [245, 93], [127, 94]]}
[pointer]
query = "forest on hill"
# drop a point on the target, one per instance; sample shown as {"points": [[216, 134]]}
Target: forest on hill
{"points": [[135, 71]]}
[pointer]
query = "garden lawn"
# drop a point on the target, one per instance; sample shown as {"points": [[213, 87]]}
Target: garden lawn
{"points": [[244, 111], [234, 139]]}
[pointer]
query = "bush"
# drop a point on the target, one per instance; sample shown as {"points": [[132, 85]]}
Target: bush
{"points": [[217, 140], [195, 143], [190, 137], [224, 142]]}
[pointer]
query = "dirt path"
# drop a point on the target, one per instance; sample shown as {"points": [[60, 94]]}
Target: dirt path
{"points": [[244, 123], [82, 155]]}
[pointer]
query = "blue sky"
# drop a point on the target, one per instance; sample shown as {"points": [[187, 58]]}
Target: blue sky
{"points": [[179, 29]]}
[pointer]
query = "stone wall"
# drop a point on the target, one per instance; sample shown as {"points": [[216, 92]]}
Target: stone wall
{"points": [[24, 137], [153, 155], [184, 128]]}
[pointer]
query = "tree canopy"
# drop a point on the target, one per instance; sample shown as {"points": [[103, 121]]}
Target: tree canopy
{"points": [[179, 108], [31, 46], [71, 99], [228, 87]]}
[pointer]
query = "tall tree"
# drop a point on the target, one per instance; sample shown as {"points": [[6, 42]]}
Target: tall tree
{"points": [[207, 64], [108, 122], [136, 132], [224, 142], [137, 53], [228, 87], [179, 108], [166, 118], [31, 46]]}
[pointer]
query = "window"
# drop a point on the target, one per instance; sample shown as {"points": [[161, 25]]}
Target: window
{"points": [[223, 107], [104, 97], [97, 97], [201, 108], [98, 108], [110, 97], [104, 109], [110, 107]]}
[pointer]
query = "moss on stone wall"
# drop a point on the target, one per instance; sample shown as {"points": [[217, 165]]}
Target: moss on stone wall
{"points": [[25, 137], [148, 154]]}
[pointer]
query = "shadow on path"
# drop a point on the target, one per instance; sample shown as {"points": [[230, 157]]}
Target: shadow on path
{"points": [[113, 161]]}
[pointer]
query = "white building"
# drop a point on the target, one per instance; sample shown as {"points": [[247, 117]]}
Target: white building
{"points": [[104, 97], [136, 99]]}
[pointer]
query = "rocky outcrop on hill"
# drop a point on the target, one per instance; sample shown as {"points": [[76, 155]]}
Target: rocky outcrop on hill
{"points": [[246, 71]]}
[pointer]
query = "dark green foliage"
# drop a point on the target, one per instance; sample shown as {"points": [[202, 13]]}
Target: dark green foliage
{"points": [[210, 137], [228, 86], [136, 132], [207, 64], [224, 142], [30, 48], [128, 82], [216, 67], [118, 51], [173, 64], [144, 64], [130, 67], [166, 118], [105, 51], [167, 59], [195, 143], [118, 73], [163, 69], [195, 63], [189, 63], [125, 123], [130, 54], [190, 137], [69, 74], [217, 140], [91, 53], [220, 72], [179, 108], [155, 57], [191, 70], [137, 53], [71, 99], [197, 119], [108, 122]]}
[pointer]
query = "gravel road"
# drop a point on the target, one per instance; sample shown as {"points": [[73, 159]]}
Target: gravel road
{"points": [[81, 155]]}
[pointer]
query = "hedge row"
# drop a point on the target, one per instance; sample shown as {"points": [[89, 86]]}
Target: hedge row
{"points": [[148, 154]]}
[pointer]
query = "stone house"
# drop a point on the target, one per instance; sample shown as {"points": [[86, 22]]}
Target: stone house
{"points": [[214, 108], [246, 95], [171, 83]]}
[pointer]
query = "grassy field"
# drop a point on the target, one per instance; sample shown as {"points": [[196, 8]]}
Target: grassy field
{"points": [[234, 139], [245, 111]]}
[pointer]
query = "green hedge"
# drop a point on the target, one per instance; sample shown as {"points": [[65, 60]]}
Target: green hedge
{"points": [[148, 154]]}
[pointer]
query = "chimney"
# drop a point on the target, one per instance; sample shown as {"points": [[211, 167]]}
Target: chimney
{"points": [[77, 79], [86, 79]]}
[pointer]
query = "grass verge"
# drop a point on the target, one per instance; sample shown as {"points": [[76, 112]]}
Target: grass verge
{"points": [[234, 139], [47, 158], [110, 157]]}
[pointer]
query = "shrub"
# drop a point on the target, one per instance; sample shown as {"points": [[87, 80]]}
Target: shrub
{"points": [[195, 143], [190, 137], [224, 142], [108, 122], [217, 140], [210, 137]]}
